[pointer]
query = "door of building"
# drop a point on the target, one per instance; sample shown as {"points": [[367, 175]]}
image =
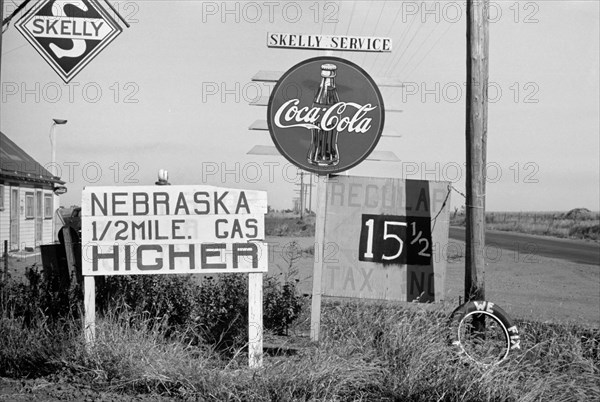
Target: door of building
{"points": [[14, 219], [39, 217]]}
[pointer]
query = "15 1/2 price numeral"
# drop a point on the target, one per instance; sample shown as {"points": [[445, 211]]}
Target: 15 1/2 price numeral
{"points": [[392, 239]]}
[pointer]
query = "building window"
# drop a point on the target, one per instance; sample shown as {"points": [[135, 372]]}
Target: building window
{"points": [[39, 208], [1, 198], [29, 205], [48, 206]]}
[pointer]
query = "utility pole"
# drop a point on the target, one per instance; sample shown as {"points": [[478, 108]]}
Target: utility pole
{"points": [[476, 138], [305, 195], [310, 194], [301, 194]]}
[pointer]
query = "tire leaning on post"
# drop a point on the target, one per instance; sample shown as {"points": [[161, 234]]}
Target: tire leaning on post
{"points": [[461, 314]]}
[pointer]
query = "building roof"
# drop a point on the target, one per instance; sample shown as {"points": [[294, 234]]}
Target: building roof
{"points": [[17, 164]]}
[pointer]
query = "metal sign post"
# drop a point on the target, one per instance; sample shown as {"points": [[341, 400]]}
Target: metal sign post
{"points": [[315, 312]]}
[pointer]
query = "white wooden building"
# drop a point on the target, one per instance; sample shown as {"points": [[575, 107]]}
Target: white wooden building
{"points": [[27, 200]]}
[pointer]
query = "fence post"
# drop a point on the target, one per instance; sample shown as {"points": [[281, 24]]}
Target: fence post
{"points": [[5, 256], [4, 274], [69, 252]]}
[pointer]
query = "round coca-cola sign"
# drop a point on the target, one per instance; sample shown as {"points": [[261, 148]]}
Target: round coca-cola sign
{"points": [[325, 115]]}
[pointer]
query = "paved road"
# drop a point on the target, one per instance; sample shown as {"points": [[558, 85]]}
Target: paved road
{"points": [[572, 250]]}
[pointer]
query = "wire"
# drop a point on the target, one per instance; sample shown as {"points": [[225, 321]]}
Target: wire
{"points": [[118, 15], [350, 22], [443, 206], [387, 35], [421, 46], [429, 51], [389, 70], [453, 188], [16, 48], [365, 21], [337, 20], [375, 28], [6, 21], [400, 41]]}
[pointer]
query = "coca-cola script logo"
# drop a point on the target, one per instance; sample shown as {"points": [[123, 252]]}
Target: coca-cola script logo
{"points": [[325, 115], [305, 117]]}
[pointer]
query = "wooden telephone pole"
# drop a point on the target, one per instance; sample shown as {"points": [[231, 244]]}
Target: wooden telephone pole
{"points": [[476, 136]]}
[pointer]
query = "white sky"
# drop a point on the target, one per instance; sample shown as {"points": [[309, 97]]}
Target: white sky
{"points": [[543, 129]]}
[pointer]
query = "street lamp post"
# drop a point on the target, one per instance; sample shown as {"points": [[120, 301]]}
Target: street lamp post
{"points": [[54, 170], [55, 122]]}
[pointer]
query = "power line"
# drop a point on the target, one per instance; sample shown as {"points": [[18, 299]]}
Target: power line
{"points": [[350, 22], [6, 21], [421, 46], [375, 27], [362, 28], [387, 35], [403, 35], [405, 49], [13, 49], [337, 20], [365, 21], [429, 51]]}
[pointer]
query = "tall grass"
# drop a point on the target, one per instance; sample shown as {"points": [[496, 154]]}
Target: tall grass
{"points": [[367, 352]]}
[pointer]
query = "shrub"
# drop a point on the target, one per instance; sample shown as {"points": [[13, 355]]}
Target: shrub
{"points": [[221, 311], [282, 305], [214, 312], [40, 295], [165, 297], [585, 231]]}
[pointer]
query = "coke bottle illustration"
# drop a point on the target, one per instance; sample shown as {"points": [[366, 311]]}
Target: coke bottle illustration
{"points": [[323, 150]]}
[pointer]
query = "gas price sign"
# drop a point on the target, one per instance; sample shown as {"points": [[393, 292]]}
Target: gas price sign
{"points": [[393, 239], [385, 238]]}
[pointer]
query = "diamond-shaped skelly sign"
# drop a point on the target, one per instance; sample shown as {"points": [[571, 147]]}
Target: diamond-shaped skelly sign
{"points": [[68, 34]]}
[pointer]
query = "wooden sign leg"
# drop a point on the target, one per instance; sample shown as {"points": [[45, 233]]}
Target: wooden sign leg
{"points": [[255, 320], [315, 315], [89, 303]]}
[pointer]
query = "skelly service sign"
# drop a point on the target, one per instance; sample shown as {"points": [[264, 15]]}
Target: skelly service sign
{"points": [[325, 115], [68, 34]]}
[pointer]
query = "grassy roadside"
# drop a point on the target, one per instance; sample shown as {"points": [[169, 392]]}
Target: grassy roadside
{"points": [[368, 352], [576, 224]]}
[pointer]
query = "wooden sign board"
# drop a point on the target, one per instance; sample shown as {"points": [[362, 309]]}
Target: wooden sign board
{"points": [[329, 42], [175, 230], [384, 238], [172, 230]]}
